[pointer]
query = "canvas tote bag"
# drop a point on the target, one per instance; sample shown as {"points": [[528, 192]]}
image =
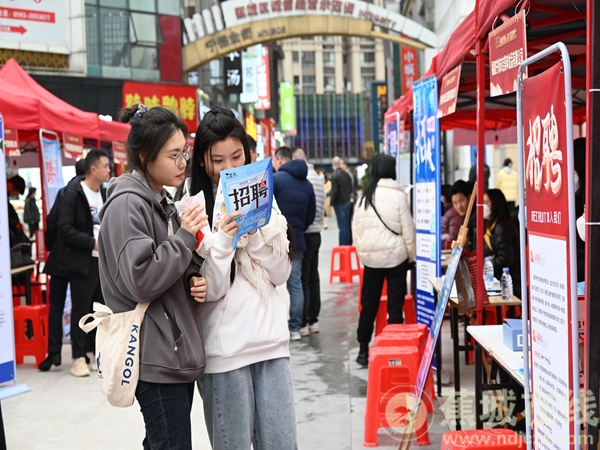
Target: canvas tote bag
{"points": [[117, 350]]}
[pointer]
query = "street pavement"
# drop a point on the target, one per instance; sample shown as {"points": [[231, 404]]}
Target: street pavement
{"points": [[63, 412]]}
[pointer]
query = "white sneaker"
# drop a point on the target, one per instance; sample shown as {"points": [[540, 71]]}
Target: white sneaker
{"points": [[304, 331], [295, 336], [314, 328], [80, 368]]}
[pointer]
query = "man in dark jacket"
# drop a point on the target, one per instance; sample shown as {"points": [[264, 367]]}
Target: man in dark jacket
{"points": [[59, 281], [342, 190], [296, 198], [78, 229]]}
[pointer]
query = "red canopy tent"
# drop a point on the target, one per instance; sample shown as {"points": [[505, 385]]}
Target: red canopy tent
{"points": [[28, 107]]}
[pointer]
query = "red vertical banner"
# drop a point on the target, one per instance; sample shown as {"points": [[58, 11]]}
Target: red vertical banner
{"points": [[267, 134], [449, 92], [11, 142], [410, 67], [264, 81], [119, 150], [508, 49], [548, 259], [72, 146]]}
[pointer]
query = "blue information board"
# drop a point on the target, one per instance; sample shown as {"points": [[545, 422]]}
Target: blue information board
{"points": [[427, 203]]}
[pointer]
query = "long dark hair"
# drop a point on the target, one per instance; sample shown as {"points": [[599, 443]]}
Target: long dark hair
{"points": [[499, 210], [384, 166], [150, 131]]}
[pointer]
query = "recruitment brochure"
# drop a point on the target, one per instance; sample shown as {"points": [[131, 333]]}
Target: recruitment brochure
{"points": [[248, 189]]}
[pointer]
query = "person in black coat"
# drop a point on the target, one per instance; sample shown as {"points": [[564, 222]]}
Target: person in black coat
{"points": [[31, 215], [59, 281], [501, 238], [342, 192], [78, 229]]}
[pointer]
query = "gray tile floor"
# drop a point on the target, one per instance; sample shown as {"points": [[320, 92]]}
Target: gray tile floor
{"points": [[63, 412]]}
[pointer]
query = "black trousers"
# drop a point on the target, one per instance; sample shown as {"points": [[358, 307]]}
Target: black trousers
{"points": [[58, 293], [311, 283], [85, 290], [371, 296]]}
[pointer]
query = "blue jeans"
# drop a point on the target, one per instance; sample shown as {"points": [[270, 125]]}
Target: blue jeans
{"points": [[342, 214], [166, 409], [250, 405], [294, 287]]}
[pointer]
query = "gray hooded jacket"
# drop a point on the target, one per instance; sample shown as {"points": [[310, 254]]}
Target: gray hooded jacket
{"points": [[140, 263]]}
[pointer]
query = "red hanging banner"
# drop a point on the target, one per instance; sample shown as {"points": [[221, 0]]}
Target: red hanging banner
{"points": [[449, 92], [410, 66], [119, 150], [508, 49], [11, 142], [72, 146], [548, 259], [264, 84]]}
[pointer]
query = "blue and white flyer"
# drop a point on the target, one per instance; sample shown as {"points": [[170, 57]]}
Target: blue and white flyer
{"points": [[248, 189]]}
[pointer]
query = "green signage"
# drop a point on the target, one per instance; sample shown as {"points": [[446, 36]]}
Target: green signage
{"points": [[288, 107]]}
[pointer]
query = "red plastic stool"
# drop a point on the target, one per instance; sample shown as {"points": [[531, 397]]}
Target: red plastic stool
{"points": [[496, 439], [37, 345], [392, 375], [345, 271], [410, 311], [404, 338]]}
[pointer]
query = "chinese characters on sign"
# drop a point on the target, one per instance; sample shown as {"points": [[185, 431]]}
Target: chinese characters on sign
{"points": [[449, 92], [544, 158], [508, 49], [11, 142], [182, 99], [73, 146], [232, 67], [409, 65]]}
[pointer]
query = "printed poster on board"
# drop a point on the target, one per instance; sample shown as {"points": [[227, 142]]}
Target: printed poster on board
{"points": [[427, 194], [548, 260]]}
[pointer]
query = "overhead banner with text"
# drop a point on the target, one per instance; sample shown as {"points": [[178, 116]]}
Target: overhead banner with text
{"points": [[449, 92], [508, 49], [232, 68], [182, 99], [427, 194], [410, 66], [549, 190]]}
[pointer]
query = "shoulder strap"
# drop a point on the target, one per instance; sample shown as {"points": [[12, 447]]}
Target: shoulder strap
{"points": [[101, 312], [384, 224]]}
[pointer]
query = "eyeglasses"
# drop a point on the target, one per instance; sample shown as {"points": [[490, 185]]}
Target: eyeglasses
{"points": [[183, 155]]}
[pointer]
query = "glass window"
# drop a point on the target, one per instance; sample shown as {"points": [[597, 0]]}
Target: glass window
{"points": [[142, 5], [308, 79], [144, 63], [114, 31], [365, 82], [114, 3], [170, 8], [329, 83], [367, 58], [91, 2], [308, 38], [328, 38], [296, 80], [308, 57], [328, 59], [295, 56], [145, 29]]}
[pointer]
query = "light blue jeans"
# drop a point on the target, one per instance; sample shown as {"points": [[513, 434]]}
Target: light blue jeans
{"points": [[254, 404], [294, 287]]}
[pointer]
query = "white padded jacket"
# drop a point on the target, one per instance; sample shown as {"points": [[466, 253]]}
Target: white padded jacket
{"points": [[377, 246]]}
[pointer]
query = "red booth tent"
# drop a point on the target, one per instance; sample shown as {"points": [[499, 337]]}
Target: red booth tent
{"points": [[28, 107]]}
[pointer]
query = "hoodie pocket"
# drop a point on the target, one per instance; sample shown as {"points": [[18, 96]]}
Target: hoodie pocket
{"points": [[188, 344]]}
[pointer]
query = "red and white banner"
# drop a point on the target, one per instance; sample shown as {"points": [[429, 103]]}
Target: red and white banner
{"points": [[180, 98], [119, 150], [11, 142], [72, 146], [508, 49], [264, 84], [548, 259], [449, 92], [410, 67]]}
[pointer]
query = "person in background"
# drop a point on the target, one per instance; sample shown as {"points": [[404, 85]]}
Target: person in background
{"points": [[252, 147], [501, 238], [344, 166], [327, 186], [579, 185], [446, 198], [460, 194], [342, 190], [247, 385], [384, 233], [78, 229], [15, 186], [486, 175], [31, 215], [296, 198], [311, 284], [147, 255], [507, 181], [59, 281]]}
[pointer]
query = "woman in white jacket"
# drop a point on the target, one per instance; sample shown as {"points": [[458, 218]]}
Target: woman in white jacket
{"points": [[383, 231], [247, 385]]}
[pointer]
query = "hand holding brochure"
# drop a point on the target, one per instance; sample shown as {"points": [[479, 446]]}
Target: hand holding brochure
{"points": [[248, 189]]}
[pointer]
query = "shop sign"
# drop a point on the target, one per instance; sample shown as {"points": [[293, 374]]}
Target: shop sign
{"points": [[182, 99]]}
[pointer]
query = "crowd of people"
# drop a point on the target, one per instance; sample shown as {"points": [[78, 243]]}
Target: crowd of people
{"points": [[215, 320]]}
